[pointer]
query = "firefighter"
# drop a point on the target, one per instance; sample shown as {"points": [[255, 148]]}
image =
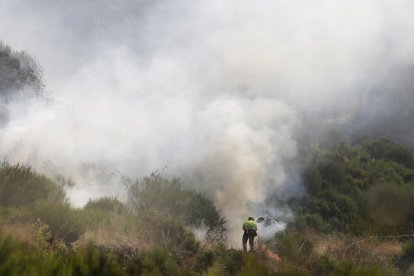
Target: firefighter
{"points": [[250, 231]]}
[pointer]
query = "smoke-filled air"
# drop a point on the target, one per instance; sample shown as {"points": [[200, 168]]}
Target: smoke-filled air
{"points": [[224, 95]]}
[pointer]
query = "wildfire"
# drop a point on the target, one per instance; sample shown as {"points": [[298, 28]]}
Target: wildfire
{"points": [[269, 253]]}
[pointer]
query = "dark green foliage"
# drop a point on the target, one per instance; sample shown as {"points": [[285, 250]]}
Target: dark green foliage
{"points": [[359, 188], [315, 221], [406, 259], [16, 259], [169, 197], [323, 266], [18, 70], [336, 208], [363, 189], [94, 261], [19, 186], [387, 150]]}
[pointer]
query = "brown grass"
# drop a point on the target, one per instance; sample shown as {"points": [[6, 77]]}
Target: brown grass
{"points": [[20, 231], [358, 250], [113, 240]]}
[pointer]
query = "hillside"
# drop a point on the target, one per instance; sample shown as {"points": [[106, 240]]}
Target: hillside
{"points": [[150, 234], [355, 218], [356, 214]]}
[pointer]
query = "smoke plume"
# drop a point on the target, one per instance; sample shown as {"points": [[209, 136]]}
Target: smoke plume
{"points": [[222, 93]]}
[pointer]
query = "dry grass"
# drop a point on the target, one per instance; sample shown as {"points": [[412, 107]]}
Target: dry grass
{"points": [[114, 240], [358, 250], [20, 231]]}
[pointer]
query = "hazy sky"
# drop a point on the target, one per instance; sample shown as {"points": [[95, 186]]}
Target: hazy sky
{"points": [[221, 92]]}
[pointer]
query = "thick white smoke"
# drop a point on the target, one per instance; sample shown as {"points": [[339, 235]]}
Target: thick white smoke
{"points": [[217, 91]]}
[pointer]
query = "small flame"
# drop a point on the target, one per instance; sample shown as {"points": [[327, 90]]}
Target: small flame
{"points": [[269, 253]]}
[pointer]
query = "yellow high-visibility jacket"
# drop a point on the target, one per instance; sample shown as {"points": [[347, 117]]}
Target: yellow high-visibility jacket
{"points": [[249, 224]]}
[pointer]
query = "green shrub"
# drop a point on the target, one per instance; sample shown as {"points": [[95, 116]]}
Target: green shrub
{"points": [[94, 218], [323, 266], [231, 261], [365, 188], [387, 150], [15, 214], [18, 70], [19, 259], [169, 197], [108, 212], [169, 233], [293, 245], [406, 259], [93, 261], [107, 204], [388, 204], [65, 223], [316, 221], [41, 236], [204, 260], [158, 262], [20, 185]]}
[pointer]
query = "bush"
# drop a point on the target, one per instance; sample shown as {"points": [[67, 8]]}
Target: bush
{"points": [[387, 150], [169, 197], [93, 261], [406, 259], [388, 204], [107, 204], [316, 221], [66, 224], [358, 188], [18, 70], [293, 246], [158, 262], [170, 233], [19, 259], [20, 186]]}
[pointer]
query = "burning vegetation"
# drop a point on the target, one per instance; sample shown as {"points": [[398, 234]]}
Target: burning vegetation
{"points": [[238, 107], [152, 231]]}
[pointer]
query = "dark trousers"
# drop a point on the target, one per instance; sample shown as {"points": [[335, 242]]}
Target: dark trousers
{"points": [[249, 235]]}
